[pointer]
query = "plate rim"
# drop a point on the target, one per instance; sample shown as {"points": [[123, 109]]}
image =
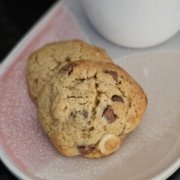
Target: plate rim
{"points": [[9, 59], [168, 171]]}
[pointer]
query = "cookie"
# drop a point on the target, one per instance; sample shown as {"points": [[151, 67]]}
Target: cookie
{"points": [[46, 61], [89, 107]]}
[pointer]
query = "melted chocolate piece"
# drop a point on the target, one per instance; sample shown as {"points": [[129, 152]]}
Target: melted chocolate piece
{"points": [[109, 114], [69, 67], [86, 149], [112, 73], [85, 114], [117, 98]]}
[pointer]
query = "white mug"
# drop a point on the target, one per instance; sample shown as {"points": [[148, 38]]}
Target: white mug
{"points": [[134, 23]]}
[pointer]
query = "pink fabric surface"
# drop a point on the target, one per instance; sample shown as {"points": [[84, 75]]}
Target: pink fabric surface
{"points": [[21, 136]]}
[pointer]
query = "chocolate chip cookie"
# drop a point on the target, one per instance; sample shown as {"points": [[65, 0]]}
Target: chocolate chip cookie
{"points": [[46, 61], [89, 107]]}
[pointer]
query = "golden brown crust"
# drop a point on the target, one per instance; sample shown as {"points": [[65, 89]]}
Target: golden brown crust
{"points": [[46, 61], [89, 107]]}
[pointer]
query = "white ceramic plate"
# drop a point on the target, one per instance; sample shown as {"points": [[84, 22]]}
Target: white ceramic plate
{"points": [[150, 152]]}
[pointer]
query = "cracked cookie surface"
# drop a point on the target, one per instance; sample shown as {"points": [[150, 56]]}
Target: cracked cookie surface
{"points": [[46, 61], [89, 107]]}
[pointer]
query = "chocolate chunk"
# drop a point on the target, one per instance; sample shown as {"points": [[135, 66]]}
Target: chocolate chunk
{"points": [[86, 149], [85, 114], [69, 67], [109, 114], [91, 128], [117, 98], [36, 81], [112, 73], [67, 59], [73, 114]]}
